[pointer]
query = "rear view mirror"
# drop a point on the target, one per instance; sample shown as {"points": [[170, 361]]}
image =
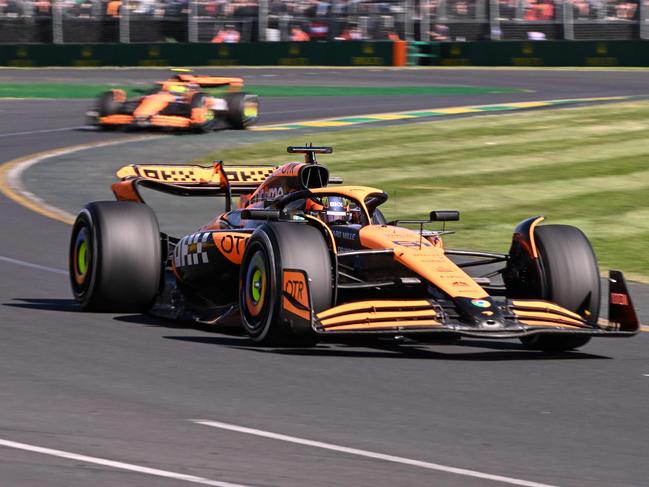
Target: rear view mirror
{"points": [[444, 216]]}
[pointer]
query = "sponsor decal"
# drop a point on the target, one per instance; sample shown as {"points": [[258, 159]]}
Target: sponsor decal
{"points": [[619, 299], [231, 245], [295, 288], [296, 294], [290, 169], [460, 284], [481, 303], [412, 244], [272, 193], [256, 175], [177, 175], [344, 234], [444, 270]]}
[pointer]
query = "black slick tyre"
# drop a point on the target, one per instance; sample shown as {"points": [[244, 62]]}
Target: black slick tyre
{"points": [[571, 279], [242, 111], [107, 104], [115, 257], [272, 248]]}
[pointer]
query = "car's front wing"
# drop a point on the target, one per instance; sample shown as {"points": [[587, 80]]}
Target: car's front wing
{"points": [[522, 317]]}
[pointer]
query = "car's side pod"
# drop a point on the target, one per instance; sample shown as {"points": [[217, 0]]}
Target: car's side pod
{"points": [[523, 275]]}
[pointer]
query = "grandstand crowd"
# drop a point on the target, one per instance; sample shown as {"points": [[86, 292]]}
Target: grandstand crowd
{"points": [[304, 20]]}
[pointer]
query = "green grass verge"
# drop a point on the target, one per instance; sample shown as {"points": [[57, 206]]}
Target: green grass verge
{"points": [[57, 90], [587, 167]]}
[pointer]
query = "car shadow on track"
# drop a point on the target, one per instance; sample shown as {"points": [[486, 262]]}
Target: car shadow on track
{"points": [[67, 305], [146, 320], [234, 337], [496, 351]]}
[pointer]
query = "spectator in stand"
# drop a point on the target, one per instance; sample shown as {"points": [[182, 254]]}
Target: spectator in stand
{"points": [[507, 9], [546, 10], [352, 33], [43, 7], [113, 8], [461, 9], [543, 10], [581, 9], [439, 33], [626, 10], [319, 30], [531, 12], [298, 35], [392, 36], [228, 35]]}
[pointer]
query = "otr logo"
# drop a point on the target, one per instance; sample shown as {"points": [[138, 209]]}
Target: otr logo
{"points": [[295, 289]]}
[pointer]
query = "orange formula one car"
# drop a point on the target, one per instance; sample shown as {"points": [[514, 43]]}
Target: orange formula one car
{"points": [[180, 102], [304, 258]]}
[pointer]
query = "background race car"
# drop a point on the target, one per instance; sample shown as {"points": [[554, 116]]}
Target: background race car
{"points": [[184, 101], [305, 258]]}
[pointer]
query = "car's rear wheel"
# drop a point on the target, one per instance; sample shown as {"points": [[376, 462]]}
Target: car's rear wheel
{"points": [[571, 279], [110, 102], [271, 249], [115, 257], [242, 111]]}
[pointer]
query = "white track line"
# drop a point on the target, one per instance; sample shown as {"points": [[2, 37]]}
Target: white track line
{"points": [[113, 464], [33, 266], [370, 454], [44, 131]]}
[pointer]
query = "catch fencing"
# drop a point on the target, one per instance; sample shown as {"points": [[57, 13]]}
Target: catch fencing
{"points": [[238, 21]]}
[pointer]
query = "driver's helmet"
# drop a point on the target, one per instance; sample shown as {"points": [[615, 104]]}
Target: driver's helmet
{"points": [[177, 89], [336, 210]]}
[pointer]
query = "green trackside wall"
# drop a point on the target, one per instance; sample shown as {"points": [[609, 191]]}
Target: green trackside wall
{"points": [[341, 53], [349, 53], [545, 53]]}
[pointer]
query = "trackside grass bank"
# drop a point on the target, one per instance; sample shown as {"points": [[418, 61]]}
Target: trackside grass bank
{"points": [[587, 167]]}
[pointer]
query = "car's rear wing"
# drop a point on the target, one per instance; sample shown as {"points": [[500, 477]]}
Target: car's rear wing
{"points": [[211, 81], [189, 180]]}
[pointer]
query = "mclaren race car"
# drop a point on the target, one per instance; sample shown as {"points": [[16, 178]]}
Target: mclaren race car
{"points": [[304, 258], [184, 101]]}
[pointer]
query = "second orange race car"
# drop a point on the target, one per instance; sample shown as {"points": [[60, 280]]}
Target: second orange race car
{"points": [[184, 101]]}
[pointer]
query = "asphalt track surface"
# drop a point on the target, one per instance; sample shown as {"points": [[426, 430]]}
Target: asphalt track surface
{"points": [[125, 388]]}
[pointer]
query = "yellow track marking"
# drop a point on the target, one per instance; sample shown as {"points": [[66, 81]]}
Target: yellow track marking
{"points": [[460, 110], [10, 178], [528, 104], [325, 123], [268, 128], [390, 116]]}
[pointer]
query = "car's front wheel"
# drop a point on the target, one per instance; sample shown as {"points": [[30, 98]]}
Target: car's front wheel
{"points": [[273, 248], [570, 275]]}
